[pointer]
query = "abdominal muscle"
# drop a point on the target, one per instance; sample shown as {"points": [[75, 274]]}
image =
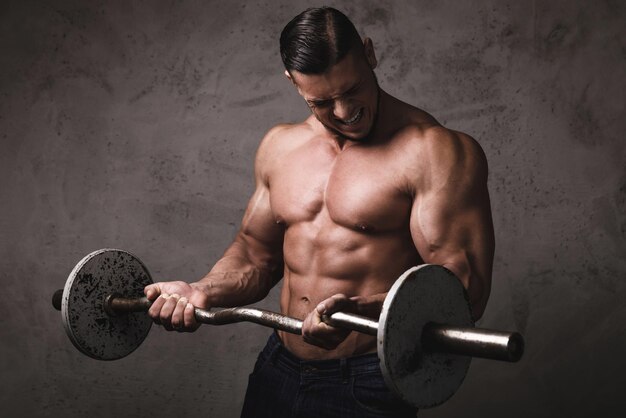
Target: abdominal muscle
{"points": [[327, 260]]}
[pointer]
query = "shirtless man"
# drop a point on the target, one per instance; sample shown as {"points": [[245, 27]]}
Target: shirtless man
{"points": [[345, 202]]}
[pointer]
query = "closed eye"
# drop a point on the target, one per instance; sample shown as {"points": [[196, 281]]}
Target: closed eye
{"points": [[321, 103], [352, 91], [325, 103]]}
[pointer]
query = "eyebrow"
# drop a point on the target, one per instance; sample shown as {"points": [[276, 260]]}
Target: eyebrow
{"points": [[349, 90]]}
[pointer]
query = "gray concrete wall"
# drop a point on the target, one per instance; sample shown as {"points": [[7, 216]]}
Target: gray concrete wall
{"points": [[134, 125]]}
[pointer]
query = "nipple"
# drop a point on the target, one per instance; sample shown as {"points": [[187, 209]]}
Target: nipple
{"points": [[363, 227]]}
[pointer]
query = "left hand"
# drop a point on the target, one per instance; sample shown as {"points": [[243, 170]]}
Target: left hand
{"points": [[316, 332]]}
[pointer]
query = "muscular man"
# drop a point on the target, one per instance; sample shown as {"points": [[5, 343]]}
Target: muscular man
{"points": [[345, 201]]}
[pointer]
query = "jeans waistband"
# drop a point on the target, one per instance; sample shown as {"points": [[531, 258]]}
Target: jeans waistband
{"points": [[342, 368]]}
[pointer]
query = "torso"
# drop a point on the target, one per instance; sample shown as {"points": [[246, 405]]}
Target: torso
{"points": [[346, 216]]}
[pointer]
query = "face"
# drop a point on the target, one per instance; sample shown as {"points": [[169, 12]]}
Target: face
{"points": [[344, 98]]}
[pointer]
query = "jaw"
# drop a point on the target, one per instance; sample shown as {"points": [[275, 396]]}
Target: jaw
{"points": [[354, 129], [361, 135], [350, 136]]}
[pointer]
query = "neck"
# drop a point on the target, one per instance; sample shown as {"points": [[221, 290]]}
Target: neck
{"points": [[378, 127], [384, 120]]}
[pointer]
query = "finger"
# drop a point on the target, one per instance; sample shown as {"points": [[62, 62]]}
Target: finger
{"points": [[310, 336], [333, 304], [323, 330], [189, 317], [155, 310], [178, 314], [306, 327], [309, 323], [314, 330], [327, 336], [320, 309], [167, 310], [314, 318], [320, 341], [152, 291]]}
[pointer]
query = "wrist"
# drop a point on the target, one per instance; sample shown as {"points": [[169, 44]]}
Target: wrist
{"points": [[369, 306], [204, 286]]}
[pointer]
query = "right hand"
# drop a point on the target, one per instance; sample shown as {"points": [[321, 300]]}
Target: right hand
{"points": [[316, 332], [174, 304]]}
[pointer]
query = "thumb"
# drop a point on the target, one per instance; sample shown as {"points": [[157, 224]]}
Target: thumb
{"points": [[152, 291], [333, 304], [321, 308]]}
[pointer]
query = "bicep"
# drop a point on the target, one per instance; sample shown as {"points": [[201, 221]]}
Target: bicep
{"points": [[449, 230], [259, 232], [451, 225], [260, 238]]}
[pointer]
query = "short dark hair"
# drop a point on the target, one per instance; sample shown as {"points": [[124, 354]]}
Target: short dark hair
{"points": [[317, 39]]}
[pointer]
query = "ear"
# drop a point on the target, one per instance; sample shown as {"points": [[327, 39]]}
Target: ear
{"points": [[289, 77], [293, 81], [370, 55]]}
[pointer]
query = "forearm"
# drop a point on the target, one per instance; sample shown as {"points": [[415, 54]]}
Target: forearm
{"points": [[464, 244], [239, 278], [475, 277], [369, 306]]}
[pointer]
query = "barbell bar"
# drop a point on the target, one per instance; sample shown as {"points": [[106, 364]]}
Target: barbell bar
{"points": [[467, 341], [425, 333]]}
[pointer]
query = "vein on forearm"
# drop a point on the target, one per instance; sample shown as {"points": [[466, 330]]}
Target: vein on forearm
{"points": [[241, 276]]}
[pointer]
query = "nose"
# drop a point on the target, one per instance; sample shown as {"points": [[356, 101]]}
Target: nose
{"points": [[342, 109]]}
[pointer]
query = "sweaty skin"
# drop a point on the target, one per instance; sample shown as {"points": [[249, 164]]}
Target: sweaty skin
{"points": [[345, 202]]}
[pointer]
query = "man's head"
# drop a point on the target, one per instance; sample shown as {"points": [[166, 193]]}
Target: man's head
{"points": [[332, 68]]}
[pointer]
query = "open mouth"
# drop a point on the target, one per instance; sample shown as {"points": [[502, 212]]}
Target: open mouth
{"points": [[354, 119]]}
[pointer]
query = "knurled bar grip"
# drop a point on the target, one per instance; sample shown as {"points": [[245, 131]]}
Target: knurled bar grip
{"points": [[467, 341]]}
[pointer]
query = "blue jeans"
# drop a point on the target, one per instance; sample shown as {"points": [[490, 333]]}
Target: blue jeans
{"points": [[282, 385]]}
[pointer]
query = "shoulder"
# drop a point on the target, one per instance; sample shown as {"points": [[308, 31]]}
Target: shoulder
{"points": [[441, 157], [277, 143], [450, 147], [282, 139]]}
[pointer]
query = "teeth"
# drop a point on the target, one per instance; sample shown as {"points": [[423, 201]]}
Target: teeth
{"points": [[353, 119]]}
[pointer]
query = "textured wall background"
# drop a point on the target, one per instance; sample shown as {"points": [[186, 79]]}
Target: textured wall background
{"points": [[134, 125]]}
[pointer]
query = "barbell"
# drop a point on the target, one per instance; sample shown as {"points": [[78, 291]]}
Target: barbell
{"points": [[425, 333]]}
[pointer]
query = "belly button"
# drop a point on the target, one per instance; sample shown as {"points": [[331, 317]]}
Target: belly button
{"points": [[305, 299]]}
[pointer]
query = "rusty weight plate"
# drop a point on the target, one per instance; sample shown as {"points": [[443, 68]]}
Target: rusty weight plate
{"points": [[90, 328], [422, 294]]}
